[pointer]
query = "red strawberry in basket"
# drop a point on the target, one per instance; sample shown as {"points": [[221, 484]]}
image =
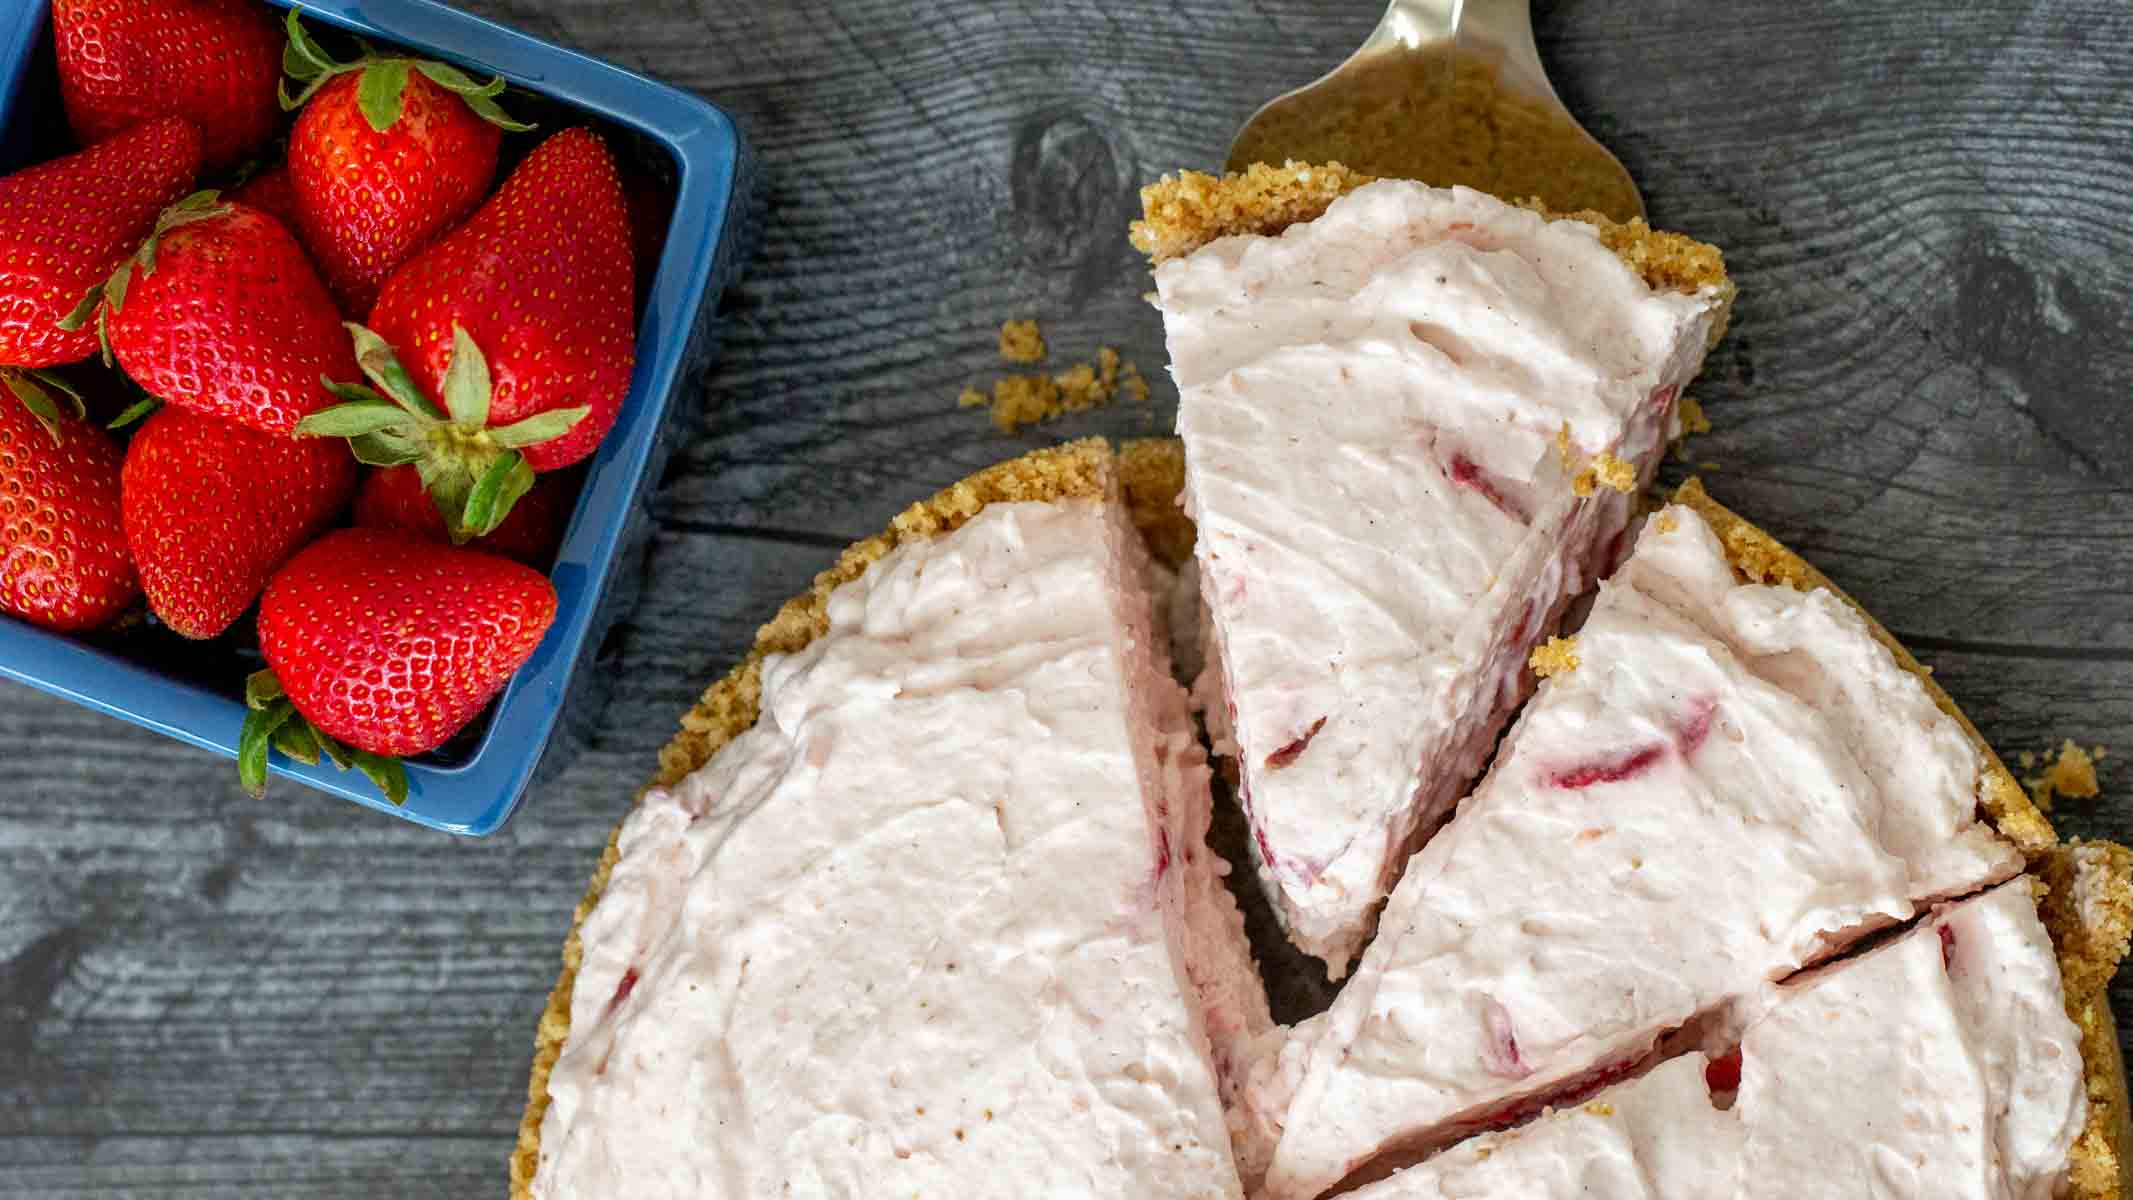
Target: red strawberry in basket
{"points": [[66, 224], [220, 312], [394, 498], [217, 63], [269, 191], [212, 508], [389, 153], [63, 562], [380, 644], [506, 348]]}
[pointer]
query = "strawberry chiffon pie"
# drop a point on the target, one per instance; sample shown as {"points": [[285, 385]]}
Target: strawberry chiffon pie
{"points": [[923, 903]]}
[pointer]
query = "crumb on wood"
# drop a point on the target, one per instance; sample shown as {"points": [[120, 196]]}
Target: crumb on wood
{"points": [[1021, 342], [2069, 771], [1557, 656], [1019, 400], [1693, 419]]}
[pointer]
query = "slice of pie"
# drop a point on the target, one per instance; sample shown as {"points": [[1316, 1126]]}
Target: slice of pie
{"points": [[1730, 774], [922, 903], [1411, 419], [1939, 1066]]}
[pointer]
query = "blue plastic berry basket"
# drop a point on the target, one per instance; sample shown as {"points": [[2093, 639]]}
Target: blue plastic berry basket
{"points": [[473, 788]]}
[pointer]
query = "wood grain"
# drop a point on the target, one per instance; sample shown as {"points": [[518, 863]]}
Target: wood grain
{"points": [[293, 998]]}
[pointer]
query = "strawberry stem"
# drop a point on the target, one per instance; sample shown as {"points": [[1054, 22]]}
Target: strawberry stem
{"points": [[271, 722], [474, 473], [382, 90]]}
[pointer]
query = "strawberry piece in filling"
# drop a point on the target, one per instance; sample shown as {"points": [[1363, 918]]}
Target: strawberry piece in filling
{"points": [[623, 989], [1722, 1074], [1500, 1051], [1612, 770], [1463, 473], [1294, 750], [1689, 734]]}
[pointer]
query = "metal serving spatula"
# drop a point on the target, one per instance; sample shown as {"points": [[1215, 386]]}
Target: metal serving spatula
{"points": [[1446, 91]]}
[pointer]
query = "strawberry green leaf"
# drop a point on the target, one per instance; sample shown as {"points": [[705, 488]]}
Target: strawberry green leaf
{"points": [[297, 66], [335, 753], [452, 79], [352, 420], [305, 48], [66, 391], [353, 391], [450, 482], [480, 97], [261, 689], [379, 94], [90, 301], [253, 742], [43, 393], [486, 108], [385, 449], [540, 427], [38, 401], [199, 206], [383, 367], [115, 291], [135, 413], [387, 773], [466, 382], [297, 740], [499, 487]]}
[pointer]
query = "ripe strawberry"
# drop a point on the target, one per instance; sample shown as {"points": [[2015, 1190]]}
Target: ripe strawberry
{"points": [[651, 208], [216, 63], [212, 508], [394, 498], [66, 224], [516, 335], [220, 312], [63, 562], [271, 192], [389, 153], [389, 644]]}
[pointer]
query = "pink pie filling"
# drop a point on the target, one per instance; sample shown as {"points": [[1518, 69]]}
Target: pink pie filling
{"points": [[1735, 782], [1385, 415]]}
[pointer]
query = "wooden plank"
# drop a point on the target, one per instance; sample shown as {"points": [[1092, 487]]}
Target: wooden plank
{"points": [[203, 994]]}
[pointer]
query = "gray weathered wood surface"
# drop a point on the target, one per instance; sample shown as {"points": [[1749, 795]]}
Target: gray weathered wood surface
{"points": [[293, 998]]}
